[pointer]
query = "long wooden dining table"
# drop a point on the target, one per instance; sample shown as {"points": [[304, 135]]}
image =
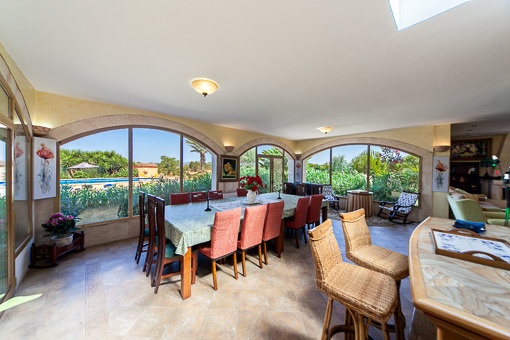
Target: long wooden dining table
{"points": [[189, 224], [464, 299]]}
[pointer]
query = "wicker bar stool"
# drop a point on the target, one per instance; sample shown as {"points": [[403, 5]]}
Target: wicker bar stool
{"points": [[367, 295], [360, 250]]}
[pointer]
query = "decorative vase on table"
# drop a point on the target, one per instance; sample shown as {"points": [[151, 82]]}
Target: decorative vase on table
{"points": [[251, 196]]}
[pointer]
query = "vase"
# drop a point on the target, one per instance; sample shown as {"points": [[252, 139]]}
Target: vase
{"points": [[251, 196], [62, 240]]}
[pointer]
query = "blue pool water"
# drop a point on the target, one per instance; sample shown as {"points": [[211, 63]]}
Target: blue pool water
{"points": [[78, 181]]}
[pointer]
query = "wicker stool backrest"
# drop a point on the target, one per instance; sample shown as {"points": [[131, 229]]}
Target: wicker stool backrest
{"points": [[356, 232], [325, 251]]}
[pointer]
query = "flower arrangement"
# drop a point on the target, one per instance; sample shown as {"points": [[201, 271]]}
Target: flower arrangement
{"points": [[60, 225], [253, 183]]}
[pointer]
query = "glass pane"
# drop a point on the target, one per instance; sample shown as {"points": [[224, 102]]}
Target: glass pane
{"points": [[4, 102], [247, 163], [349, 168], [197, 166], [157, 163], [277, 183], [264, 171], [269, 150], [317, 168], [97, 191], [391, 172], [4, 235], [21, 162]]}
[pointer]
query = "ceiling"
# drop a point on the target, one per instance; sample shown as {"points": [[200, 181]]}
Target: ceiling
{"points": [[284, 67]]}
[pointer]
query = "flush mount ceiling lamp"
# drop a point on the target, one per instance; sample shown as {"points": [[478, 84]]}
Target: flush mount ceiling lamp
{"points": [[325, 129], [204, 86]]}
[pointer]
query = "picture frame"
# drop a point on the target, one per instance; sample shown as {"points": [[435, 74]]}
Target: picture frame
{"points": [[470, 149], [229, 169], [45, 168], [440, 174]]}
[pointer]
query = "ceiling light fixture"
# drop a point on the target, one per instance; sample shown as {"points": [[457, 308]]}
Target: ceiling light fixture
{"points": [[325, 129], [204, 86]]}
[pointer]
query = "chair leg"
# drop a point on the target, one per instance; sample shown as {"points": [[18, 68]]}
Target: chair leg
{"points": [[235, 266], [260, 255], [327, 319], [297, 240], [304, 235], [265, 253], [215, 279], [243, 261]]}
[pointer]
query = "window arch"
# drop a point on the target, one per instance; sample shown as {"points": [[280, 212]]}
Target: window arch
{"points": [[382, 169], [129, 160]]}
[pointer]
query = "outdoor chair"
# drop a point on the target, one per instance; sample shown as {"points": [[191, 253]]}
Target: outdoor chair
{"points": [[327, 192], [366, 294], [399, 209]]}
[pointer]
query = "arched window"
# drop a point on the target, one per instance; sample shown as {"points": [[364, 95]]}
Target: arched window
{"points": [[124, 162], [271, 163], [383, 170]]}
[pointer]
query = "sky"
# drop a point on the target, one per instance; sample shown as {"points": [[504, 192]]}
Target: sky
{"points": [[148, 144]]}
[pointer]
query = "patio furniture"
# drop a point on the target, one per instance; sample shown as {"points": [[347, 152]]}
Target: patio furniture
{"points": [[327, 192], [399, 209], [357, 199]]}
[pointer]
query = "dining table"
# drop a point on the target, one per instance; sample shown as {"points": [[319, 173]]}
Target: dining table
{"points": [[187, 225], [465, 299]]}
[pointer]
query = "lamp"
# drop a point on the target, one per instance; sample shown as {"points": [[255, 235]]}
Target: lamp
{"points": [[325, 129], [229, 148], [204, 86], [441, 148]]}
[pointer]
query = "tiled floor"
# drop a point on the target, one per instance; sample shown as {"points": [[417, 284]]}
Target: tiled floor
{"points": [[101, 293]]}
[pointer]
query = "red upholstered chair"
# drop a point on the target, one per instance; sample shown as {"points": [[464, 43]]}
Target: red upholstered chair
{"points": [[143, 237], [198, 196], [216, 194], [152, 247], [272, 225], [251, 232], [223, 243], [179, 198], [313, 218], [166, 251], [241, 192], [298, 221]]}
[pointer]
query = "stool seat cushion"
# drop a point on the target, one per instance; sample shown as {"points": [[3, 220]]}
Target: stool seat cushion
{"points": [[381, 260]]}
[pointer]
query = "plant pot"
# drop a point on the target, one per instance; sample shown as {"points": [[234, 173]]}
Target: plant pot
{"points": [[62, 240], [251, 196]]}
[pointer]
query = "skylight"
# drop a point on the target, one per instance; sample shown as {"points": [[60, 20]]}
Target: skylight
{"points": [[410, 12]]}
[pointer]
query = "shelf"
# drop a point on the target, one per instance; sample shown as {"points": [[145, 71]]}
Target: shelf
{"points": [[46, 255]]}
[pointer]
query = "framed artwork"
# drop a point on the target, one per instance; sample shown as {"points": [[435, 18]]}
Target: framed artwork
{"points": [[441, 174], [472, 149], [229, 168], [45, 167]]}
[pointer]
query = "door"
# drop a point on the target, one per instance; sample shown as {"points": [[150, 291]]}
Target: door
{"points": [[270, 170]]}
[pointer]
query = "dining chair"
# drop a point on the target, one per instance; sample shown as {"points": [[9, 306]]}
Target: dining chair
{"points": [[298, 221], [198, 196], [223, 242], [360, 250], [215, 194], [272, 225], [251, 232], [316, 189], [152, 246], [301, 189], [179, 198], [366, 294], [313, 216], [241, 192], [166, 251], [143, 235], [288, 188]]}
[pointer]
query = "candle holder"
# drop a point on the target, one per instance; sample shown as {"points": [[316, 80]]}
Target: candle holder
{"points": [[207, 209], [279, 191]]}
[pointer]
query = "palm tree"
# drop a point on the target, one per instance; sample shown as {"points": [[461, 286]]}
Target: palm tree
{"points": [[200, 149]]}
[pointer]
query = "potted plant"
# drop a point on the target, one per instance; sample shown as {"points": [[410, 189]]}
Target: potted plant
{"points": [[60, 228], [252, 184]]}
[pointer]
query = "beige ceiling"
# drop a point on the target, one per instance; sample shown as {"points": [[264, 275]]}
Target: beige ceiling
{"points": [[284, 67]]}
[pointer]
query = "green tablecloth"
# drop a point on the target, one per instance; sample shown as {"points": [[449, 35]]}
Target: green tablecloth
{"points": [[189, 224]]}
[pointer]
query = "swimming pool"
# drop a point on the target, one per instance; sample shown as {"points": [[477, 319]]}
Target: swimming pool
{"points": [[79, 181]]}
